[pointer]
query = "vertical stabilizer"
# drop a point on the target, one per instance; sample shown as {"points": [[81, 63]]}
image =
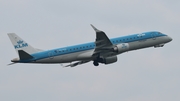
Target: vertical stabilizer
{"points": [[20, 44]]}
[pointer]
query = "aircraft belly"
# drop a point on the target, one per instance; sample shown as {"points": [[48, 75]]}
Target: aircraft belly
{"points": [[146, 43], [86, 55]]}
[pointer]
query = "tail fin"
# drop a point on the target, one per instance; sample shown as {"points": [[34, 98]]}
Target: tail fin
{"points": [[20, 44]]}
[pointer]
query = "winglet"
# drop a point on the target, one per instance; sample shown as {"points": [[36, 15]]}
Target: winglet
{"points": [[97, 30]]}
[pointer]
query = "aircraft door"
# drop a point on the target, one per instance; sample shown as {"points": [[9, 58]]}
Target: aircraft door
{"points": [[153, 36], [50, 54]]}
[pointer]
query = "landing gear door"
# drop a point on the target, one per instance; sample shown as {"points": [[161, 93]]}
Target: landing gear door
{"points": [[153, 36], [50, 54]]}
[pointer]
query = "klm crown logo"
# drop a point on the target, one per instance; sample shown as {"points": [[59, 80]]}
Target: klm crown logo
{"points": [[20, 44], [124, 46]]}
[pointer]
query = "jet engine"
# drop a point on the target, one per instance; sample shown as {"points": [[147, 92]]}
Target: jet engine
{"points": [[109, 60], [120, 48], [106, 60]]}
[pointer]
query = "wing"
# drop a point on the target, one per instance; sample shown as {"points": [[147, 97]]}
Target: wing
{"points": [[103, 43], [103, 47], [77, 63]]}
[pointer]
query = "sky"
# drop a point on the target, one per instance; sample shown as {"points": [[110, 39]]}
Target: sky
{"points": [[150, 74]]}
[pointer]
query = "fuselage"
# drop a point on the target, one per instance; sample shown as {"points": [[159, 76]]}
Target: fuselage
{"points": [[85, 51]]}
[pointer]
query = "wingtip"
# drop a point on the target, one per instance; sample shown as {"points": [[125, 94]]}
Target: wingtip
{"points": [[97, 30]]}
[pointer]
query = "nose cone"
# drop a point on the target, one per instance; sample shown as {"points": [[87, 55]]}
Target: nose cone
{"points": [[169, 38]]}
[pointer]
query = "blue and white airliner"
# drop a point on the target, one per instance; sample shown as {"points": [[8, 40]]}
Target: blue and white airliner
{"points": [[103, 50]]}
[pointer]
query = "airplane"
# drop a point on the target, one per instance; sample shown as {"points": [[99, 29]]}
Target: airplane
{"points": [[103, 50]]}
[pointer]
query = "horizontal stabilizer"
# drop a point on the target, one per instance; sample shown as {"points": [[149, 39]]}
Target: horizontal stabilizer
{"points": [[11, 64], [23, 55]]}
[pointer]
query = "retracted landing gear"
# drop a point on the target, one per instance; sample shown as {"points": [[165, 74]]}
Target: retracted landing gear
{"points": [[96, 63]]}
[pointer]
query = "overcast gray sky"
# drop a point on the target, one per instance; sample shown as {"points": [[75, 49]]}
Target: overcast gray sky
{"points": [[151, 74]]}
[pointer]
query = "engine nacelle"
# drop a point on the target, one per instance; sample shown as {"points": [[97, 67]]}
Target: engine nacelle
{"points": [[109, 60], [120, 48]]}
